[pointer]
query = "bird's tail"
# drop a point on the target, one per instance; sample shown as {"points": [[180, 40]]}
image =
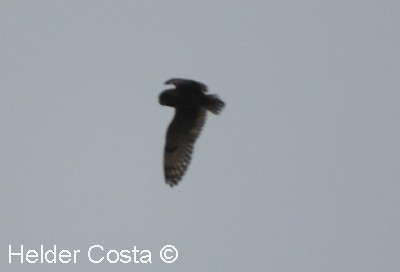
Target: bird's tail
{"points": [[215, 104]]}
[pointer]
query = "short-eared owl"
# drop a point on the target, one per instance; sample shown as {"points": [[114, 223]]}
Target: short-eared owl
{"points": [[191, 104]]}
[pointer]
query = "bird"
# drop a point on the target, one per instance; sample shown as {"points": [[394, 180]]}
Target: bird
{"points": [[191, 104]]}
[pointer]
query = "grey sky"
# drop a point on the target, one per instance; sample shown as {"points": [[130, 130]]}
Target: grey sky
{"points": [[300, 172]]}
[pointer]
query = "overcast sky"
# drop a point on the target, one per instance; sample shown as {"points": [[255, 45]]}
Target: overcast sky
{"points": [[300, 172]]}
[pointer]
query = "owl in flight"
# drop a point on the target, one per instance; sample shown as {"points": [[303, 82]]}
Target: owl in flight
{"points": [[191, 104]]}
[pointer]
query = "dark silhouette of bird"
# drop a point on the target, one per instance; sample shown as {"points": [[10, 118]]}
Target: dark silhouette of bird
{"points": [[191, 104]]}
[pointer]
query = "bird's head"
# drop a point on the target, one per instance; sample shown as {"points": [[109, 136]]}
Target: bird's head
{"points": [[168, 98]]}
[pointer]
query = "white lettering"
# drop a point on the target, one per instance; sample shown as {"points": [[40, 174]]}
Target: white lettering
{"points": [[52, 253], [76, 251], [116, 254], [125, 258], [48, 256], [134, 250], [64, 254], [147, 257], [31, 254], [89, 254], [10, 254]]}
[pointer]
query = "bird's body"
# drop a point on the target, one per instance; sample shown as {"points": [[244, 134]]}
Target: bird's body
{"points": [[191, 103]]}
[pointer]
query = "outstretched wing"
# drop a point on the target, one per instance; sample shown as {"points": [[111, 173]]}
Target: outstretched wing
{"points": [[181, 82], [182, 133]]}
